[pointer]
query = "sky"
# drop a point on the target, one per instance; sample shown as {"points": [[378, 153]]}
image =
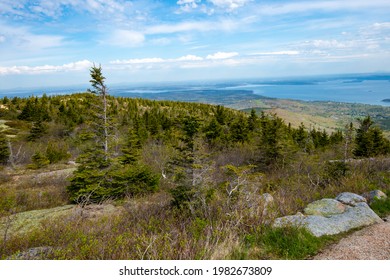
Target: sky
{"points": [[55, 42]]}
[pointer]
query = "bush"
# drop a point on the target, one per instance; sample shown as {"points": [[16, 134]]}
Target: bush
{"points": [[57, 151], [97, 185], [39, 160]]}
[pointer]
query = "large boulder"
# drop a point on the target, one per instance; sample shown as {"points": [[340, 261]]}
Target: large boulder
{"points": [[325, 207], [330, 216], [350, 198]]}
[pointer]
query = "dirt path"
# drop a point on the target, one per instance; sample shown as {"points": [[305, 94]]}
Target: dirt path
{"points": [[370, 243]]}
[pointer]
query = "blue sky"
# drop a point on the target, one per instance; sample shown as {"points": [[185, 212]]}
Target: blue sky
{"points": [[55, 42]]}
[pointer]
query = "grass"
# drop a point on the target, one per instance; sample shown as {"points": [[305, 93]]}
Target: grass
{"points": [[292, 243], [149, 228], [382, 207], [289, 243]]}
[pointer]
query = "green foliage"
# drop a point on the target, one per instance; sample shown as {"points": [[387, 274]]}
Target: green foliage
{"points": [[39, 160], [292, 243], [35, 110], [131, 180], [381, 206], [271, 138], [213, 131], [4, 149], [182, 195], [335, 170], [132, 149], [37, 131], [370, 140], [253, 120], [57, 151], [100, 175], [239, 130]]}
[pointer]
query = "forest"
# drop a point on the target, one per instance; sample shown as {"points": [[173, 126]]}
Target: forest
{"points": [[188, 179]]}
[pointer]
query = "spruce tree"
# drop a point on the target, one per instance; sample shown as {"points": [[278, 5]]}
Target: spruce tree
{"points": [[370, 140], [184, 164], [99, 175], [37, 130], [90, 178]]}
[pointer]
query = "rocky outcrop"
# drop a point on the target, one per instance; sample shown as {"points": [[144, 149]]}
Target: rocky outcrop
{"points": [[332, 216], [24, 222], [351, 199], [37, 253]]}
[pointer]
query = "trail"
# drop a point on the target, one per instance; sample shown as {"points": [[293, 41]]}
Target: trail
{"points": [[370, 243]]}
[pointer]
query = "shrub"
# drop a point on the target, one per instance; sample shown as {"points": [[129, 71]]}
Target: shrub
{"points": [[381, 206], [39, 160], [57, 151], [116, 182]]}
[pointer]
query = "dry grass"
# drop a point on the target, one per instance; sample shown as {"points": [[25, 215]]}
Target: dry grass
{"points": [[217, 227]]}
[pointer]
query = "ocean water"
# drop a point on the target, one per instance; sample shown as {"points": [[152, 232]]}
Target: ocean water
{"points": [[366, 89], [367, 92]]}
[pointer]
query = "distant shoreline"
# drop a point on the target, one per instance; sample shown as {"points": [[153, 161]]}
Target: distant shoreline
{"points": [[386, 100]]}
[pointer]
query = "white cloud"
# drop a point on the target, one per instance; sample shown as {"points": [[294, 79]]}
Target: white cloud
{"points": [[328, 44], [332, 5], [73, 66], [381, 25], [229, 4], [188, 5], [222, 55], [200, 26], [156, 60], [2, 39], [187, 61], [190, 58], [278, 53], [160, 41], [138, 61], [126, 38], [22, 37]]}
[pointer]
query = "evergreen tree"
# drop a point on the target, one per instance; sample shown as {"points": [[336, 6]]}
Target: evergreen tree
{"points": [[90, 178], [270, 140], [131, 150], [4, 149], [239, 130], [370, 140], [213, 131], [252, 120], [37, 130], [101, 123], [100, 176], [184, 164], [220, 114]]}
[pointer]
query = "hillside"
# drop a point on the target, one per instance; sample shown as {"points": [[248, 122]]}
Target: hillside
{"points": [[145, 179]]}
